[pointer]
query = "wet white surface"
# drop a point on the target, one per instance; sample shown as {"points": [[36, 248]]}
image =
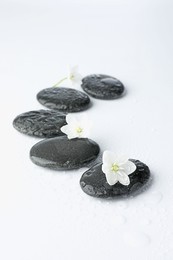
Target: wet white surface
{"points": [[44, 214]]}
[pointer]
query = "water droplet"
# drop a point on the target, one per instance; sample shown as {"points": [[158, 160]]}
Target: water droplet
{"points": [[136, 239], [122, 204]]}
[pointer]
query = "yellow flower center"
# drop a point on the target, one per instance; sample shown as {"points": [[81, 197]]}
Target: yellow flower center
{"points": [[115, 167], [79, 130], [71, 76]]}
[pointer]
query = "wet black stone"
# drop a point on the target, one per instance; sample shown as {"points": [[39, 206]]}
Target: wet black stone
{"points": [[93, 182], [60, 153], [40, 123], [102, 86], [64, 99]]}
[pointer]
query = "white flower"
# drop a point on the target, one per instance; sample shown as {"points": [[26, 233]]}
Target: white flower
{"points": [[117, 168], [76, 128], [74, 76]]}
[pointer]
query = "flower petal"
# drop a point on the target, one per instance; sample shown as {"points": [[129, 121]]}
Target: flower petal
{"points": [[77, 76], [121, 159], [77, 79], [111, 177], [123, 178], [73, 69], [106, 169], [73, 125], [70, 119], [86, 126], [85, 123], [109, 157], [71, 136], [84, 134], [65, 129], [128, 167], [76, 82]]}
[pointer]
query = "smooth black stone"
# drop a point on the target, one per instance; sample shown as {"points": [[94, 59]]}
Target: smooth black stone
{"points": [[102, 86], [64, 99], [40, 123], [93, 182], [60, 153]]}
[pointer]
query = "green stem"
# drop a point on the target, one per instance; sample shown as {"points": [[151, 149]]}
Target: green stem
{"points": [[59, 82]]}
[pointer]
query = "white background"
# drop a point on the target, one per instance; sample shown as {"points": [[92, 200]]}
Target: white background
{"points": [[44, 214]]}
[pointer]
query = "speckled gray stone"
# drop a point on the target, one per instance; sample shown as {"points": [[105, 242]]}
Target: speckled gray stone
{"points": [[93, 182], [102, 86], [60, 153], [40, 123], [64, 99]]}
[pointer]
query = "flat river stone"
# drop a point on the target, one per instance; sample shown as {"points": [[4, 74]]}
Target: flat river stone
{"points": [[60, 153], [40, 123], [64, 99], [102, 86], [93, 182]]}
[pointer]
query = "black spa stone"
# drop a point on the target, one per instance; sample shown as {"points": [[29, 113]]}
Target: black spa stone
{"points": [[102, 86], [40, 123], [60, 153], [93, 182], [64, 99]]}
